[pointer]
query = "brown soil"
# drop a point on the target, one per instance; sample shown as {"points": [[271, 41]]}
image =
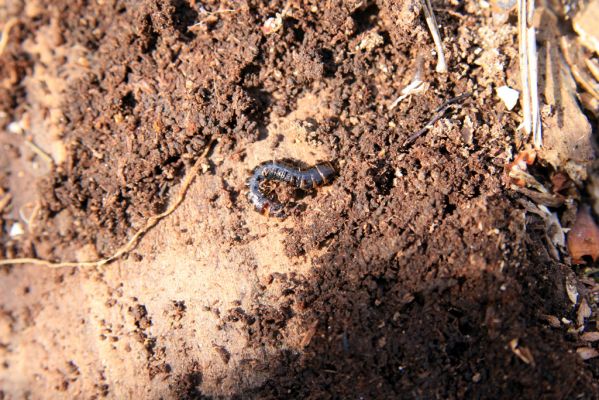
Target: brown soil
{"points": [[408, 277]]}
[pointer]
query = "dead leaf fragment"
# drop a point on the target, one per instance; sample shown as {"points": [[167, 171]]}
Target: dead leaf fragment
{"points": [[552, 320], [572, 291], [560, 181], [584, 312], [309, 334], [590, 336], [583, 239], [516, 170], [567, 133], [522, 352], [587, 353]]}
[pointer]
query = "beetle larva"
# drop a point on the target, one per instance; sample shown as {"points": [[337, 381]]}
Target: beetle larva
{"points": [[320, 174]]}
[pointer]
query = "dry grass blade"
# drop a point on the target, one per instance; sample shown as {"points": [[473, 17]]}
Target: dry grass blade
{"points": [[529, 72], [417, 85], [132, 243], [523, 56], [434, 28], [41, 153]]}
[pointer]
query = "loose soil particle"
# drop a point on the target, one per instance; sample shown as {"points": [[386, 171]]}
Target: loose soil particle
{"points": [[422, 270]]}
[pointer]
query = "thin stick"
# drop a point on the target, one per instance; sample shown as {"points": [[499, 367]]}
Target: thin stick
{"points": [[439, 114], [5, 31], [452, 101], [132, 243], [434, 28]]}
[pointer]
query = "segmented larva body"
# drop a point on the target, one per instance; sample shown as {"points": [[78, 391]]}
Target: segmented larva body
{"points": [[320, 174]]}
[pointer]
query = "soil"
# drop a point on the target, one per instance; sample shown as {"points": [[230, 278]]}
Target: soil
{"points": [[416, 274]]}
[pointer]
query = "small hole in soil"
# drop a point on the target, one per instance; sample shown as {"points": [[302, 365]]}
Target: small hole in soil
{"points": [[148, 36], [293, 26], [383, 181], [183, 17], [127, 72], [328, 61], [365, 17], [449, 209], [128, 101], [466, 328], [457, 349]]}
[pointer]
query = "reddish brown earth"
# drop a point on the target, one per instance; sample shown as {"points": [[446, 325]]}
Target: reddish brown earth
{"points": [[408, 277]]}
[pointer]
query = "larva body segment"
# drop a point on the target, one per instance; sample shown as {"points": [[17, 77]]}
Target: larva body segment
{"points": [[283, 171]]}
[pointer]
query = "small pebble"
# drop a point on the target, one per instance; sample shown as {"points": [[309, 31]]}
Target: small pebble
{"points": [[509, 96]]}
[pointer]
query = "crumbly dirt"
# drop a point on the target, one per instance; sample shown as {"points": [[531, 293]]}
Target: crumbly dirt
{"points": [[416, 274]]}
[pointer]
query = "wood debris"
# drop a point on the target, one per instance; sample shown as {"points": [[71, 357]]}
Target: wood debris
{"points": [[584, 312], [583, 238], [590, 336], [4, 201], [567, 143], [586, 353], [309, 334], [552, 320], [5, 33], [572, 290], [578, 61]]}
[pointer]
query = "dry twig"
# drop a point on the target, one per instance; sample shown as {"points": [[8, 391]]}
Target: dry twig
{"points": [[439, 112]]}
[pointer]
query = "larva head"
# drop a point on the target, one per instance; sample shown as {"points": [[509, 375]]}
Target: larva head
{"points": [[326, 171]]}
